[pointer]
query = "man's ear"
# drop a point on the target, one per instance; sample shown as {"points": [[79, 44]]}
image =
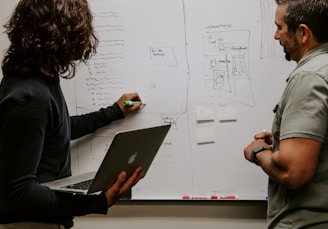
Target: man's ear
{"points": [[304, 33]]}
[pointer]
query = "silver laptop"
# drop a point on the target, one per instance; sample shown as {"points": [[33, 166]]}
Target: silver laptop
{"points": [[127, 151]]}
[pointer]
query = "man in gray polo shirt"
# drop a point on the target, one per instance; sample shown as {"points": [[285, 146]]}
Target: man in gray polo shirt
{"points": [[295, 154]]}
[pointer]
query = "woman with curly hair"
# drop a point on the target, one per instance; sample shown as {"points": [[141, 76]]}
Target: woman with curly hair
{"points": [[47, 39]]}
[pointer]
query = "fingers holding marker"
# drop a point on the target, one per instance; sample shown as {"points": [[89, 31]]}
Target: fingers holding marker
{"points": [[129, 103]]}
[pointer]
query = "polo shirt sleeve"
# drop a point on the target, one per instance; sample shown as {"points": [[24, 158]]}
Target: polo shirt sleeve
{"points": [[305, 107]]}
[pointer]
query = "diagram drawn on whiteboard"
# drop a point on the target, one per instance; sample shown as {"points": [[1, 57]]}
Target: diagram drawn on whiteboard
{"points": [[226, 55]]}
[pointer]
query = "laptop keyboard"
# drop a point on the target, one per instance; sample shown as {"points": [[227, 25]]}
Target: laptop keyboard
{"points": [[84, 185]]}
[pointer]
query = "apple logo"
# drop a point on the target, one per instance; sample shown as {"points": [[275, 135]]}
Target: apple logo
{"points": [[132, 158]]}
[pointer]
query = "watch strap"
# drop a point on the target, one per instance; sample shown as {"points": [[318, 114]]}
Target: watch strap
{"points": [[255, 151]]}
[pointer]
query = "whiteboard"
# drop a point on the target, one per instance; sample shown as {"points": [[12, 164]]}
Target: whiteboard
{"points": [[210, 68]]}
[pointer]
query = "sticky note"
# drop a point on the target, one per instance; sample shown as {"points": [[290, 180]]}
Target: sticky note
{"points": [[205, 112], [227, 112], [205, 134]]}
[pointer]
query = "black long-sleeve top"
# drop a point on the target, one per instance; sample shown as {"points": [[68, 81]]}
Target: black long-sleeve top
{"points": [[35, 135]]}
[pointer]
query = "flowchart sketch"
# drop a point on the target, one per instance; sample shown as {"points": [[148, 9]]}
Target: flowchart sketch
{"points": [[141, 50], [226, 55]]}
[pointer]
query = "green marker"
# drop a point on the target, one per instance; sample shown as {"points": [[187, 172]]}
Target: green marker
{"points": [[130, 103]]}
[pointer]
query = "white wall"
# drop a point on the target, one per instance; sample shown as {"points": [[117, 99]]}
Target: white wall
{"points": [[248, 215], [163, 215]]}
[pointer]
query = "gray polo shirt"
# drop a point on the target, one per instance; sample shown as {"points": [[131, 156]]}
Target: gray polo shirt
{"points": [[303, 112]]}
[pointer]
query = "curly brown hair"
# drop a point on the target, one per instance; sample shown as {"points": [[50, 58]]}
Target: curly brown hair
{"points": [[50, 35]]}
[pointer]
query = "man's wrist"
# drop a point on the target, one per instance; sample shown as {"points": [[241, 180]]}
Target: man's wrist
{"points": [[255, 151]]}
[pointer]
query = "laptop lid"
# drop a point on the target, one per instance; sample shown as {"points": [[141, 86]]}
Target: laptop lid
{"points": [[128, 150]]}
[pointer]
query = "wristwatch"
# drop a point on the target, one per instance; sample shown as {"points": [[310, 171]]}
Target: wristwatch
{"points": [[255, 151]]}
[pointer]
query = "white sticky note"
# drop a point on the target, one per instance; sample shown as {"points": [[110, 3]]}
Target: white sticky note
{"points": [[205, 134], [205, 112], [227, 112]]}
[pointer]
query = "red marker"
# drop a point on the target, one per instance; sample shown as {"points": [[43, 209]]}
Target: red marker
{"points": [[228, 197], [186, 197]]}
